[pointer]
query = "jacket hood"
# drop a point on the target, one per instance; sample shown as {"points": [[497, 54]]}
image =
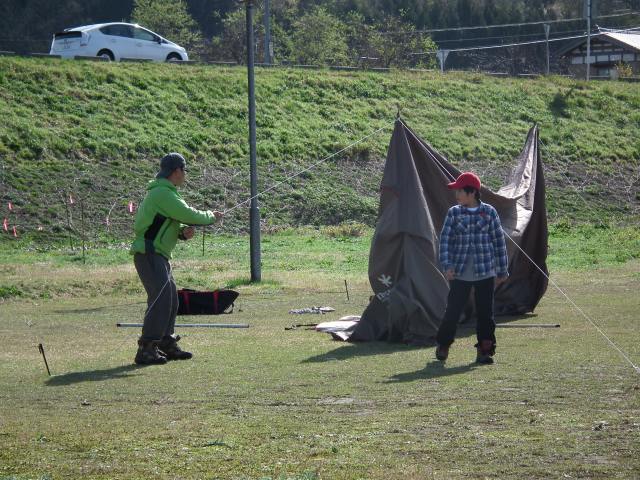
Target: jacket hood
{"points": [[160, 182]]}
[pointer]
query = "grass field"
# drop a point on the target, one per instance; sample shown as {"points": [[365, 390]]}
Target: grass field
{"points": [[270, 403]]}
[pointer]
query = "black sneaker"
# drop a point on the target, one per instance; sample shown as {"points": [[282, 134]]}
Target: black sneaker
{"points": [[148, 353], [484, 359], [168, 346], [442, 352], [486, 349]]}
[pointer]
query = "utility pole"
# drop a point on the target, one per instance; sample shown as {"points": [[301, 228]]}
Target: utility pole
{"points": [[547, 29], [588, 15], [267, 33], [254, 212]]}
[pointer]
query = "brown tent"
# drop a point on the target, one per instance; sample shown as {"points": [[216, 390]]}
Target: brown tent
{"points": [[410, 290]]}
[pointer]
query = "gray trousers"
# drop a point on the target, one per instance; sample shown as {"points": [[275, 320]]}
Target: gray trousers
{"points": [[162, 295]]}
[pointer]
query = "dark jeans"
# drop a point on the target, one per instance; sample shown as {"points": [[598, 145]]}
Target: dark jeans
{"points": [[457, 300], [162, 296]]}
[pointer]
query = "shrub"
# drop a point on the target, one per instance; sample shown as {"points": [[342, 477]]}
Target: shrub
{"points": [[8, 291], [624, 70], [346, 229]]}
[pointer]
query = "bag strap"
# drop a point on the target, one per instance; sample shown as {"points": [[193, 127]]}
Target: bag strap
{"points": [[152, 232]]}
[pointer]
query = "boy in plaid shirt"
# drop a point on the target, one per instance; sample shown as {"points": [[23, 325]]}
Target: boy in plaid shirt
{"points": [[473, 253]]}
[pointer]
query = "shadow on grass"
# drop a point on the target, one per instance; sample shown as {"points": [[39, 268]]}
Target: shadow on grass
{"points": [[350, 350], [246, 281], [433, 369], [92, 375], [98, 309], [559, 106]]}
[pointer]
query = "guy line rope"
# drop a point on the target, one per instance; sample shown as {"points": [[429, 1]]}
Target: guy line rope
{"points": [[312, 166]]}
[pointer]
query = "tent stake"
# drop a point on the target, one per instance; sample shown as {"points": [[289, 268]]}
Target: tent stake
{"points": [[41, 349], [346, 287]]}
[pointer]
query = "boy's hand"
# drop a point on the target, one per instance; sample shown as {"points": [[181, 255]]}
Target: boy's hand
{"points": [[188, 232], [450, 274], [218, 214]]}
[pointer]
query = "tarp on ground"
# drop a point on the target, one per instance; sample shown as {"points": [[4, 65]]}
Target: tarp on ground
{"points": [[410, 291]]}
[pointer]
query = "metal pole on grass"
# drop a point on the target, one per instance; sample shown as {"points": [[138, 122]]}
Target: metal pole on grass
{"points": [[254, 212]]}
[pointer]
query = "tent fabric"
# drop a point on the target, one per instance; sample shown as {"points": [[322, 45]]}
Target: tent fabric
{"points": [[410, 291]]}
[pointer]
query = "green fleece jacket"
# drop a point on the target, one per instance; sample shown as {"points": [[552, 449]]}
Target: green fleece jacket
{"points": [[164, 211]]}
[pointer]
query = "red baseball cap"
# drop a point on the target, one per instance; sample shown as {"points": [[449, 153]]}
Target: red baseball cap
{"points": [[466, 179]]}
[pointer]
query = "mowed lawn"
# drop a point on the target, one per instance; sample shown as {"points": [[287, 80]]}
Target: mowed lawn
{"points": [[266, 402]]}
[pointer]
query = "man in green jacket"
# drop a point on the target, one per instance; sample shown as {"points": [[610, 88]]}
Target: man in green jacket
{"points": [[162, 219]]}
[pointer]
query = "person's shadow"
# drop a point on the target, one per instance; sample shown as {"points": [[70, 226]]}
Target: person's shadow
{"points": [[433, 369], [122, 371], [361, 349], [98, 309]]}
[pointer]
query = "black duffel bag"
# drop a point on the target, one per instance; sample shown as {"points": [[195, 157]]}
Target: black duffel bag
{"points": [[192, 302]]}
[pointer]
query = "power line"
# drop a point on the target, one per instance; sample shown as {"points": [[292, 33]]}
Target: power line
{"points": [[504, 25], [533, 42], [515, 35], [286, 179]]}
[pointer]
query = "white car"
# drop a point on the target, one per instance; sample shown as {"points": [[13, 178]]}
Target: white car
{"points": [[115, 41]]}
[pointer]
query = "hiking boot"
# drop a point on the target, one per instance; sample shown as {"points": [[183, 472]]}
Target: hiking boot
{"points": [[168, 346], [486, 350], [442, 352], [148, 353]]}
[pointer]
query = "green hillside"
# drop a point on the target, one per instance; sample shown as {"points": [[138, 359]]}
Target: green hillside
{"points": [[95, 131]]}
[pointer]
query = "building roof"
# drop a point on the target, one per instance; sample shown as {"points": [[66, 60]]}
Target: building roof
{"points": [[628, 39]]}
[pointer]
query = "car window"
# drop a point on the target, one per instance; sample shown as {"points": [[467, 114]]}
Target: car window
{"points": [[141, 34], [117, 30]]}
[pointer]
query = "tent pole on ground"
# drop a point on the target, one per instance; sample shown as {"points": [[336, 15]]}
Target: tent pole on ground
{"points": [[191, 325], [529, 325]]}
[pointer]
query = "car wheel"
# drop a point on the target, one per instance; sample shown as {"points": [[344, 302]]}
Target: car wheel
{"points": [[174, 57], [106, 54]]}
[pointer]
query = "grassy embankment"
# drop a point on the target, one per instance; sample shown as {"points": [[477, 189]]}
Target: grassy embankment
{"points": [[97, 130]]}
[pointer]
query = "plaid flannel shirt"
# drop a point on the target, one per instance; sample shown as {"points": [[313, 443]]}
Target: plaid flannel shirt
{"points": [[476, 233]]}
